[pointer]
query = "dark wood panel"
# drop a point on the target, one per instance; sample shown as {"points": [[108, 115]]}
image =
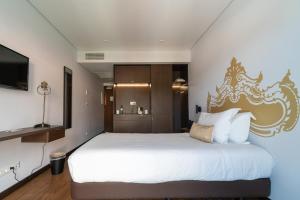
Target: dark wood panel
{"points": [[40, 137], [180, 109], [46, 186], [55, 134], [132, 123], [8, 135], [141, 95], [162, 123], [180, 99], [131, 74], [134, 126], [45, 136], [108, 109], [161, 98]]}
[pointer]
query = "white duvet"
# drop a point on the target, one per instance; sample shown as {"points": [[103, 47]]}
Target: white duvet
{"points": [[155, 158]]}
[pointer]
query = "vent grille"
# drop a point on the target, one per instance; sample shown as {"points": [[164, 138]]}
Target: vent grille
{"points": [[94, 56]]}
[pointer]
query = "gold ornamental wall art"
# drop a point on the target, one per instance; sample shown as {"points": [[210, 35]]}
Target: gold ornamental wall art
{"points": [[276, 107]]}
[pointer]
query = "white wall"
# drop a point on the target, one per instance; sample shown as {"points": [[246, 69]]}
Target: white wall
{"points": [[25, 31], [265, 36]]}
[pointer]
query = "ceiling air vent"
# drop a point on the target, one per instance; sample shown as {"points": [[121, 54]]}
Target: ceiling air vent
{"points": [[94, 56]]}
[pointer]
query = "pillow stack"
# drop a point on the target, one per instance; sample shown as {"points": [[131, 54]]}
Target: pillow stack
{"points": [[222, 127]]}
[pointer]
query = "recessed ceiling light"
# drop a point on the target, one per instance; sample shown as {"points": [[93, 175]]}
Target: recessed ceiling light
{"points": [[161, 41], [105, 40]]}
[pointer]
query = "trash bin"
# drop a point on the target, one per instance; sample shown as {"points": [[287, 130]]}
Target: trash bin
{"points": [[57, 161]]}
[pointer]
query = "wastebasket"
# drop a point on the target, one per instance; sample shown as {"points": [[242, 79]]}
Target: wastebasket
{"points": [[57, 161]]}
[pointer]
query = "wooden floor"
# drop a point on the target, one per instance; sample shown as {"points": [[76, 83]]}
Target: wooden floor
{"points": [[47, 187]]}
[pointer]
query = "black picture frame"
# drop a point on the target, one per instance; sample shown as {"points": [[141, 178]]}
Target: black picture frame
{"points": [[68, 87]]}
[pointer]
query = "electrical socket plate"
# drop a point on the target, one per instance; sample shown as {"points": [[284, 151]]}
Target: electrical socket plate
{"points": [[132, 103], [7, 170]]}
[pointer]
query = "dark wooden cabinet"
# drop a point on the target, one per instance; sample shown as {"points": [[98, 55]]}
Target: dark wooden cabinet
{"points": [[162, 123], [108, 108], [125, 95], [132, 123], [161, 98], [131, 74], [131, 97], [164, 104], [180, 99]]}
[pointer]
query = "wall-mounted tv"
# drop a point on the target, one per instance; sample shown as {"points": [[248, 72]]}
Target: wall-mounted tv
{"points": [[13, 69]]}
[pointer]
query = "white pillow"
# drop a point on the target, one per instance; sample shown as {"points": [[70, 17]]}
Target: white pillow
{"points": [[221, 122], [240, 127]]}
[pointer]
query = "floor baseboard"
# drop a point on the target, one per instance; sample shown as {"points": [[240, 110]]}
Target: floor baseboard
{"points": [[19, 184], [23, 182]]}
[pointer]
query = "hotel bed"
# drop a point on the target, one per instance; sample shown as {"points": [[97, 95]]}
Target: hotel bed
{"points": [[120, 166]]}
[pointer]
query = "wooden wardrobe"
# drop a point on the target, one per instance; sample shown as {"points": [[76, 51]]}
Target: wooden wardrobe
{"points": [[147, 86], [161, 98]]}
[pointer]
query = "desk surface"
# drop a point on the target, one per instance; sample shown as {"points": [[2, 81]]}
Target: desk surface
{"points": [[16, 133]]}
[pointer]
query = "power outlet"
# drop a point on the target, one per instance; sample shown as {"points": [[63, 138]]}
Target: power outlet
{"points": [[6, 170], [86, 133]]}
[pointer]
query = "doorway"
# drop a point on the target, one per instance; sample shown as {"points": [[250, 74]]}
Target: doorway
{"points": [[108, 108], [67, 98]]}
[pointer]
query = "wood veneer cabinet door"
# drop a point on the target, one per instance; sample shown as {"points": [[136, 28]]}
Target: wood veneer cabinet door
{"points": [[132, 74], [132, 123], [161, 98]]}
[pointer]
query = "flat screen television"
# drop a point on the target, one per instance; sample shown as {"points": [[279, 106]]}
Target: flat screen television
{"points": [[13, 69]]}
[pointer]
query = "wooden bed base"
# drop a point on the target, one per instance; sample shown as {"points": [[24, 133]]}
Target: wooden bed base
{"points": [[178, 189]]}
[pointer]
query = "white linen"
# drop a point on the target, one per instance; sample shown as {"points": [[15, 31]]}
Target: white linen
{"points": [[240, 127], [155, 158], [221, 122]]}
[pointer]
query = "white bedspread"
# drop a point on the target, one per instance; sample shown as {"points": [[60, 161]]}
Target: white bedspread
{"points": [[154, 158]]}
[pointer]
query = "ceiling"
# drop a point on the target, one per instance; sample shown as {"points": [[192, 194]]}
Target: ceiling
{"points": [[130, 26], [113, 25]]}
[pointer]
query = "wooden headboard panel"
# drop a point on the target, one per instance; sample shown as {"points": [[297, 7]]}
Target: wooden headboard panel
{"points": [[276, 107]]}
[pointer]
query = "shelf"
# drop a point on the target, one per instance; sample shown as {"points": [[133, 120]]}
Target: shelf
{"points": [[131, 117], [42, 135]]}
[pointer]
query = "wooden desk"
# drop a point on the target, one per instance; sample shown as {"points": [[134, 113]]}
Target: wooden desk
{"points": [[40, 135]]}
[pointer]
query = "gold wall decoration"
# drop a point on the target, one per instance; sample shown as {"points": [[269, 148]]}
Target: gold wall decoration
{"points": [[276, 107]]}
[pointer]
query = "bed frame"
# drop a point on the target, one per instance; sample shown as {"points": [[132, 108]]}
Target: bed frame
{"points": [[177, 189]]}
